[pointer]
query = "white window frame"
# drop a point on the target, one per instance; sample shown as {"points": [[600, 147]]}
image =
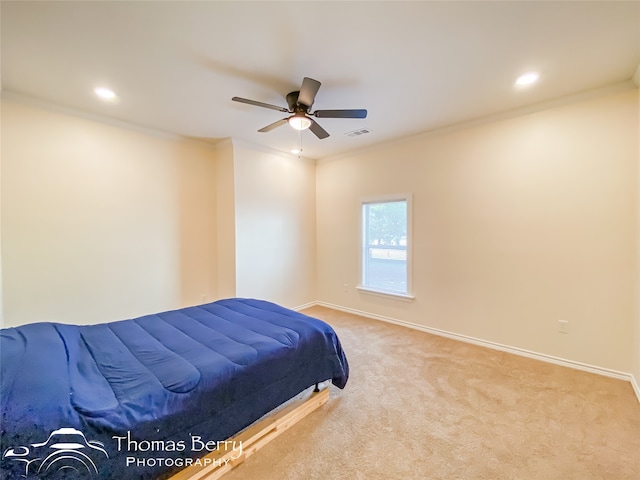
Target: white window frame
{"points": [[402, 197]]}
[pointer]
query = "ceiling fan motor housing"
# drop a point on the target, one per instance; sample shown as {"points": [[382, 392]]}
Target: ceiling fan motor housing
{"points": [[294, 106]]}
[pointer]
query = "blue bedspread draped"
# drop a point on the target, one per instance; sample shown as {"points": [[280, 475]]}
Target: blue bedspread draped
{"points": [[142, 395]]}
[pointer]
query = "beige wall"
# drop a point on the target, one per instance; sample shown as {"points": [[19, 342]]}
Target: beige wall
{"points": [[226, 220], [100, 222], [275, 226], [636, 365], [517, 224]]}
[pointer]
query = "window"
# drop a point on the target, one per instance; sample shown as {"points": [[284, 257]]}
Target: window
{"points": [[385, 246]]}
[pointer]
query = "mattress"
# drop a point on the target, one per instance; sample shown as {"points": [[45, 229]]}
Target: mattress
{"points": [[144, 397]]}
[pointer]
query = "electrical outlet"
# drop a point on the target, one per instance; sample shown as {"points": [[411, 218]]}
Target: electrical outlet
{"points": [[563, 326], [346, 288]]}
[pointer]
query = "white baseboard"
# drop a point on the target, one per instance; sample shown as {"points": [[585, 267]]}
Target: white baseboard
{"points": [[493, 345], [306, 305], [636, 387]]}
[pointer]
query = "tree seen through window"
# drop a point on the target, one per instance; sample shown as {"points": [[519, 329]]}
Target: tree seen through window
{"points": [[385, 246]]}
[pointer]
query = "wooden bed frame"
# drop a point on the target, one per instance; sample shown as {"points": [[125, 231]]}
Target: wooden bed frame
{"points": [[254, 437]]}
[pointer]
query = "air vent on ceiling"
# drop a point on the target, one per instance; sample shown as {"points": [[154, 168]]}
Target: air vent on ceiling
{"points": [[357, 133]]}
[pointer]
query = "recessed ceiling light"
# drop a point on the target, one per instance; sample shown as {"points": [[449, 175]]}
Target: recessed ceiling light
{"points": [[527, 79], [105, 93]]}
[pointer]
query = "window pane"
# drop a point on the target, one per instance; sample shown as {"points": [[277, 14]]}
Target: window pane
{"points": [[385, 246]]}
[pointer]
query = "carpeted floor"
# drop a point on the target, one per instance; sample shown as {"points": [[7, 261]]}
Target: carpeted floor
{"points": [[418, 406]]}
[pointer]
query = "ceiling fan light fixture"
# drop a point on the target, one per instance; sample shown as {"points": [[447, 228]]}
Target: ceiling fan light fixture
{"points": [[299, 122]]}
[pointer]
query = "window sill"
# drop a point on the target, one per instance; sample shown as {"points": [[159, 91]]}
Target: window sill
{"points": [[381, 293]]}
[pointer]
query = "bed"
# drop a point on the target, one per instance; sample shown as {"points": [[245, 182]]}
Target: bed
{"points": [[146, 397]]}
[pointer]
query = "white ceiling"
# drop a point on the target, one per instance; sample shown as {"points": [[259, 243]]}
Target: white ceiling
{"points": [[416, 66]]}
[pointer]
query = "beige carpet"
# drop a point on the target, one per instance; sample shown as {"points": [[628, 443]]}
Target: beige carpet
{"points": [[419, 406]]}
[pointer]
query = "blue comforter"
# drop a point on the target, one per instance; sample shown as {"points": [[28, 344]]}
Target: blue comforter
{"points": [[142, 398]]}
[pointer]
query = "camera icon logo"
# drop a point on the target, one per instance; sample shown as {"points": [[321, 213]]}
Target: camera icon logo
{"points": [[65, 453]]}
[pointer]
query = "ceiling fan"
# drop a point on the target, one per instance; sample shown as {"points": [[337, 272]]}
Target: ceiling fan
{"points": [[300, 103]]}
